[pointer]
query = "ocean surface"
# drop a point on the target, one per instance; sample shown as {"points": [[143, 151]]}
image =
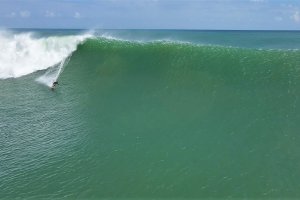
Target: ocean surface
{"points": [[149, 114]]}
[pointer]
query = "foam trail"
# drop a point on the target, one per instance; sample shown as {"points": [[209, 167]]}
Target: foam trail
{"points": [[22, 53], [61, 67], [53, 73]]}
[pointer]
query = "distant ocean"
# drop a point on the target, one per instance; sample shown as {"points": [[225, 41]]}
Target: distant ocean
{"points": [[149, 114]]}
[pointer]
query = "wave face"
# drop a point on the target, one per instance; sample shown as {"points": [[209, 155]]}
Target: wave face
{"points": [[23, 53], [233, 64]]}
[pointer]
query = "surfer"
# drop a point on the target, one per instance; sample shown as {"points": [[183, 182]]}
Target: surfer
{"points": [[54, 84]]}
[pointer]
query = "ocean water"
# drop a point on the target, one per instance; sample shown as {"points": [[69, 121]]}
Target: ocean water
{"points": [[149, 114]]}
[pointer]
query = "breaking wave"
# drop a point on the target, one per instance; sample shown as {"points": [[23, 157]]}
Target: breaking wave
{"points": [[24, 53]]}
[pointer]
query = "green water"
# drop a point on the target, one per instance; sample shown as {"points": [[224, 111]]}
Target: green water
{"points": [[155, 120]]}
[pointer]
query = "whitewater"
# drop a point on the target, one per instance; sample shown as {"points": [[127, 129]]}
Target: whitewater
{"points": [[25, 53]]}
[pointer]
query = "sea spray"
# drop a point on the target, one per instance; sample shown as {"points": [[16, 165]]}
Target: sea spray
{"points": [[23, 53], [52, 74]]}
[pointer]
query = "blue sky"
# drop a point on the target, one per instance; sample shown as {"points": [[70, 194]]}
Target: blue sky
{"points": [[151, 14]]}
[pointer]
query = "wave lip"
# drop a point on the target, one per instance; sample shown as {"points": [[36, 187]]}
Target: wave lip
{"points": [[22, 53]]}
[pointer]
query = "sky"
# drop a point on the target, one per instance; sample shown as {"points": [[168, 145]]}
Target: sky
{"points": [[152, 14]]}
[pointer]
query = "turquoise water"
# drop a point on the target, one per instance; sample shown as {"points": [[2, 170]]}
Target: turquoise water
{"points": [[151, 115]]}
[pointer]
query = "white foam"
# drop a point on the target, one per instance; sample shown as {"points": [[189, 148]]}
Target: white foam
{"points": [[22, 53]]}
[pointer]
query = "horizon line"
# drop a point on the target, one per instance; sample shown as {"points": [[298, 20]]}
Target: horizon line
{"points": [[164, 29]]}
